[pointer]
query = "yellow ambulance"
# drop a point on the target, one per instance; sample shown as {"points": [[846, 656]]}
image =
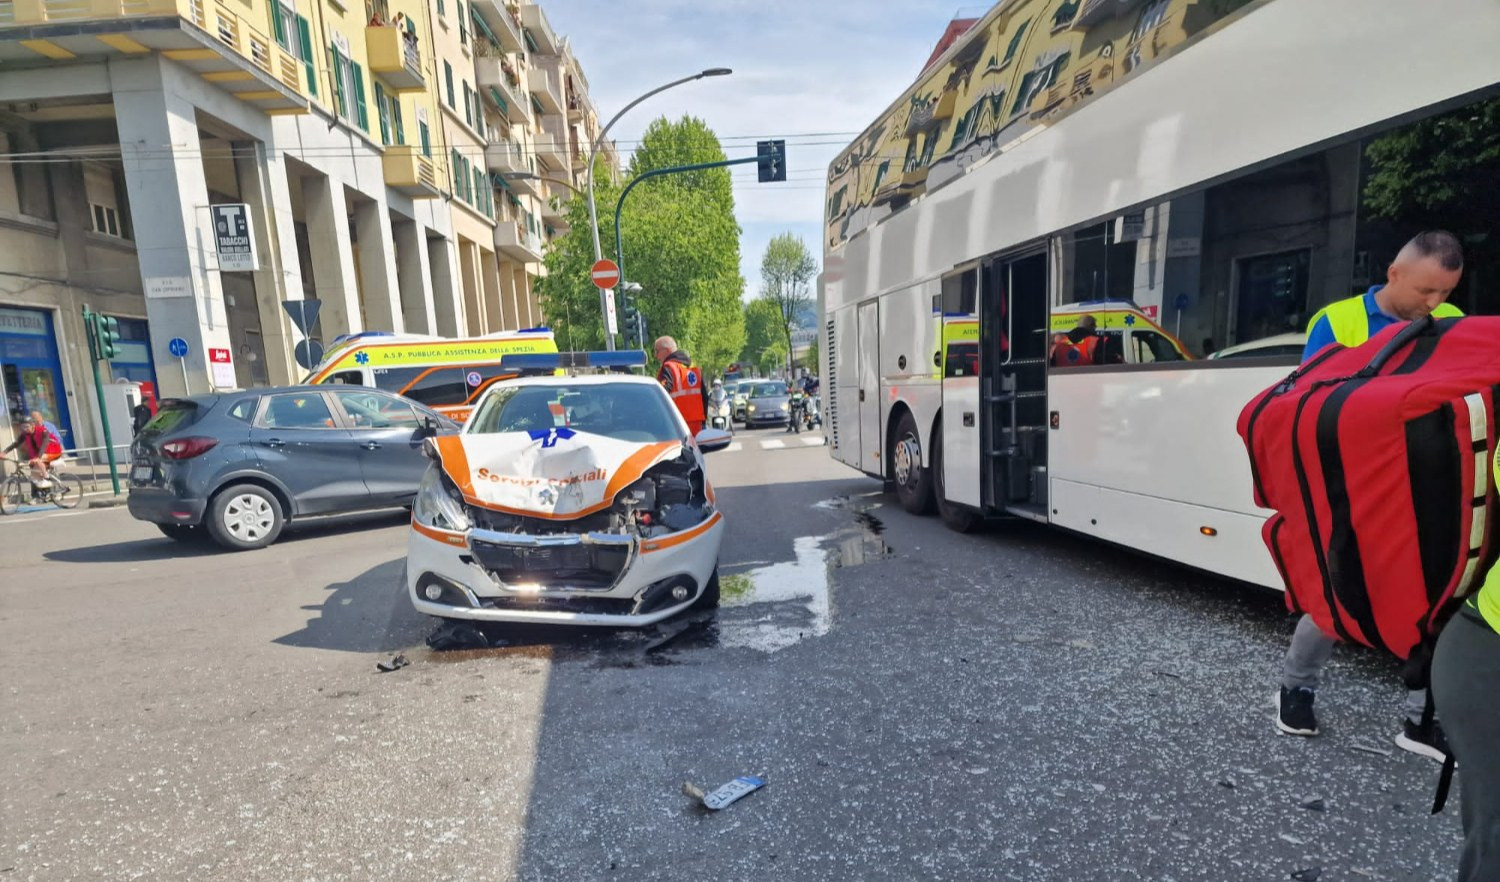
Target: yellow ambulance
{"points": [[448, 375]]}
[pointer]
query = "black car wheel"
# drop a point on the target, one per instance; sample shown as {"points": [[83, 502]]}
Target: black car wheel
{"points": [[913, 478], [245, 516], [709, 599]]}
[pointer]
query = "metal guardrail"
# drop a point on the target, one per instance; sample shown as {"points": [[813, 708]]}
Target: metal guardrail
{"points": [[92, 465]]}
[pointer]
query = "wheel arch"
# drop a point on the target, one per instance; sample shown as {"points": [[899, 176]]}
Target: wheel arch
{"points": [[282, 496]]}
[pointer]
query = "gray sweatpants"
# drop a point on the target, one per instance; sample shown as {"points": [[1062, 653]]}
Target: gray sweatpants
{"points": [[1308, 655], [1465, 669]]}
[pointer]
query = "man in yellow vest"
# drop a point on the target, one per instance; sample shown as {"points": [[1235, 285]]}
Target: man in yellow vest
{"points": [[1418, 283], [1465, 668]]}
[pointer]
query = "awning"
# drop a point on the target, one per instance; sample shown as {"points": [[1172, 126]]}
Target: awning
{"points": [[499, 101], [479, 23], [537, 105]]}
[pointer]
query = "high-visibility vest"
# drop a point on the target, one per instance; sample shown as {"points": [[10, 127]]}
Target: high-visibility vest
{"points": [[1487, 600], [1350, 321], [687, 392]]}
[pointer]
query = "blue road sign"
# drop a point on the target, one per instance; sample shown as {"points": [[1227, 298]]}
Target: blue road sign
{"points": [[178, 347], [1182, 302]]}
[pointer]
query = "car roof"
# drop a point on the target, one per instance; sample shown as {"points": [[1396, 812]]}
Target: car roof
{"points": [[579, 380]]}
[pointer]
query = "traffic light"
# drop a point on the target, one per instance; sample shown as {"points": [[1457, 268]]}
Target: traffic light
{"points": [[630, 321], [107, 335], [771, 160]]}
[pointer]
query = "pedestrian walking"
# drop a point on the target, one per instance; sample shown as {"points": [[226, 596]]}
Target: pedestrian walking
{"points": [[1418, 283], [1465, 668], [683, 381]]}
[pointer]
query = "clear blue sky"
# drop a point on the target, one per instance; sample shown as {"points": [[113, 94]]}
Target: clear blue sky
{"points": [[800, 68]]}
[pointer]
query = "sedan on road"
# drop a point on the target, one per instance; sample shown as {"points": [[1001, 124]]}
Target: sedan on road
{"points": [[237, 466], [767, 403], [576, 500]]}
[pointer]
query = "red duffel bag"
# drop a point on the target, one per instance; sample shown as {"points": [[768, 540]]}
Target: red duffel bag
{"points": [[1376, 461]]}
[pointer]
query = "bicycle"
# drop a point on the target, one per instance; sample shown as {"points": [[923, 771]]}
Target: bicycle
{"points": [[17, 489]]}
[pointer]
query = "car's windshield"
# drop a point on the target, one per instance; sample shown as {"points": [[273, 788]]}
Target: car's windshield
{"points": [[627, 411], [767, 390]]}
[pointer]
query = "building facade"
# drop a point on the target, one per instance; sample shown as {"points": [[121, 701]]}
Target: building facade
{"points": [[358, 137]]}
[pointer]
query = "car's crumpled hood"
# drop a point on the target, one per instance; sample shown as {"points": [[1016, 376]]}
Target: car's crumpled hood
{"points": [[558, 473]]}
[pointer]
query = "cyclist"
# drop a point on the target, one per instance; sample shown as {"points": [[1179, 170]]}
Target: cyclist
{"points": [[41, 444]]}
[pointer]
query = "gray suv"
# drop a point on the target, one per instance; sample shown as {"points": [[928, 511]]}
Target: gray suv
{"points": [[237, 466]]}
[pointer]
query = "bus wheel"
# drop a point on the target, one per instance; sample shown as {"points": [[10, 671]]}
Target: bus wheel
{"points": [[955, 517], [913, 477]]}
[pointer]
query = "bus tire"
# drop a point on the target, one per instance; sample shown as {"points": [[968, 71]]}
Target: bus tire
{"points": [[912, 477], [954, 517]]}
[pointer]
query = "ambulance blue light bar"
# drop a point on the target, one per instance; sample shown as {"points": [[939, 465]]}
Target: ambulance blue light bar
{"points": [[622, 360]]}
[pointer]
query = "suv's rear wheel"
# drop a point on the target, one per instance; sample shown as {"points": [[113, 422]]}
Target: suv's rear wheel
{"points": [[245, 516]]}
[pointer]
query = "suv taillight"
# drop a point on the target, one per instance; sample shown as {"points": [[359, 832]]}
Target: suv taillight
{"points": [[187, 448]]}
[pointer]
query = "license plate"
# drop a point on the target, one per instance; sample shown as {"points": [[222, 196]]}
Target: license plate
{"points": [[140, 473]]}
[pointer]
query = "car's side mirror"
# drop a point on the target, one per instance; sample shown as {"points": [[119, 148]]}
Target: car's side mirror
{"points": [[710, 440], [429, 426]]}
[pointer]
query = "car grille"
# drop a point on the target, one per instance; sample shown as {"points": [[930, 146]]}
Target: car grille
{"points": [[501, 522], [573, 565]]}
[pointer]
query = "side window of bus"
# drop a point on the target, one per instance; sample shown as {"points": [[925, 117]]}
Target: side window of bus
{"points": [[434, 387]]}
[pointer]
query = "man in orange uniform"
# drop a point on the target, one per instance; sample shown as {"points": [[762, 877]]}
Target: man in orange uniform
{"points": [[683, 382]]}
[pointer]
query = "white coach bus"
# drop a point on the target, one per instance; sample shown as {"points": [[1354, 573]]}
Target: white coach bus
{"points": [[1198, 175]]}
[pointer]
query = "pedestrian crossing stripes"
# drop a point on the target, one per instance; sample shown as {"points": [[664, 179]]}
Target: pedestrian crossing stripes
{"points": [[777, 443]]}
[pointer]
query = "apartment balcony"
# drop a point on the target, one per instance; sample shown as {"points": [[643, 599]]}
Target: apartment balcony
{"points": [[546, 84], [525, 182], [503, 24], [538, 29], [1096, 11], [495, 77], [394, 56], [555, 204], [552, 144], [505, 156], [517, 243], [575, 108], [580, 159], [410, 172], [226, 44]]}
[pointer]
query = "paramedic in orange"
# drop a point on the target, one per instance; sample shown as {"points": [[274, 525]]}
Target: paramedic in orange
{"points": [[684, 382], [1077, 347]]}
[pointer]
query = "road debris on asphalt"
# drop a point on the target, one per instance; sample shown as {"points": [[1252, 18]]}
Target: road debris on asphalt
{"points": [[725, 795], [1314, 805], [1311, 874], [396, 663]]}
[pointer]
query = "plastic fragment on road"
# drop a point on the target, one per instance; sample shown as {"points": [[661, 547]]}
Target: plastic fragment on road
{"points": [[724, 796], [1310, 874], [395, 664]]}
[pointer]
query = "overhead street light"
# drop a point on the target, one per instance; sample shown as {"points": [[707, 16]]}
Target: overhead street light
{"points": [[594, 151]]}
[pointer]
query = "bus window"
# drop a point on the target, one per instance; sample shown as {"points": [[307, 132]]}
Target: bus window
{"points": [[434, 387]]}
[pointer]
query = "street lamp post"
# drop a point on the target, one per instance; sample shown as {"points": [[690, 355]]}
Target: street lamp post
{"points": [[604, 293]]}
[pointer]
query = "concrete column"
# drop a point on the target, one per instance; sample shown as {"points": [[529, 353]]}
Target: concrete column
{"points": [[489, 282], [332, 256], [263, 186], [413, 277], [377, 265], [442, 261], [526, 295], [468, 271], [158, 130]]}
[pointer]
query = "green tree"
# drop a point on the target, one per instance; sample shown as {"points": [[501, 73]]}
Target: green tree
{"points": [[681, 244], [762, 328], [810, 359], [786, 274], [772, 358], [1429, 171]]}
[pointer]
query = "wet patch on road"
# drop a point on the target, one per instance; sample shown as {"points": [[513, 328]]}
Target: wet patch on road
{"points": [[764, 607]]}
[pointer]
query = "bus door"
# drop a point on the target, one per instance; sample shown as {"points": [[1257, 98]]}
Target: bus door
{"points": [[1013, 384], [958, 358], [868, 347]]}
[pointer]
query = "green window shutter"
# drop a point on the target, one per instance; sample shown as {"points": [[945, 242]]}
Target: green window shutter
{"points": [[384, 113], [458, 171], [361, 113], [338, 84], [276, 24], [1015, 41], [426, 138], [397, 122], [463, 24], [440, 7], [1023, 93], [448, 79], [304, 37], [468, 106]]}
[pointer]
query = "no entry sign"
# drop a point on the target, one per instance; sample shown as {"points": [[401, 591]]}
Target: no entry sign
{"points": [[606, 274]]}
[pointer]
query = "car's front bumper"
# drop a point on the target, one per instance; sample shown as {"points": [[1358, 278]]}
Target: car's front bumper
{"points": [[637, 592], [769, 417]]}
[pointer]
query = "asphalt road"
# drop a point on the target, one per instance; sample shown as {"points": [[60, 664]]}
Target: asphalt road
{"points": [[1019, 704]]}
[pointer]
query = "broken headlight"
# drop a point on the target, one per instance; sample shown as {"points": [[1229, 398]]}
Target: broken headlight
{"points": [[438, 504]]}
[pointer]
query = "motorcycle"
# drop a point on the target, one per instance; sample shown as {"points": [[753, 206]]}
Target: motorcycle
{"points": [[812, 418], [797, 411], [721, 414]]}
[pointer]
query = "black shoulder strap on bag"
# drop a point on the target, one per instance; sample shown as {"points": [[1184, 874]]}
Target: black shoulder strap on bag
{"points": [[1445, 778], [1404, 336]]}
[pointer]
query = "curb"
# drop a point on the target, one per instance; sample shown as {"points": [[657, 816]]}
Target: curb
{"points": [[104, 500]]}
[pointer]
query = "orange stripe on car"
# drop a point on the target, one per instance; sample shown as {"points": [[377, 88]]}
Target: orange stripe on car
{"points": [[455, 461], [440, 535], [679, 538]]}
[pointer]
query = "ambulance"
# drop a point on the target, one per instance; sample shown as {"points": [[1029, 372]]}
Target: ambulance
{"points": [[446, 374], [1130, 336]]}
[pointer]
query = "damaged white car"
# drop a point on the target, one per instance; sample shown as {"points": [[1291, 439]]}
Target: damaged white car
{"points": [[567, 500]]}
